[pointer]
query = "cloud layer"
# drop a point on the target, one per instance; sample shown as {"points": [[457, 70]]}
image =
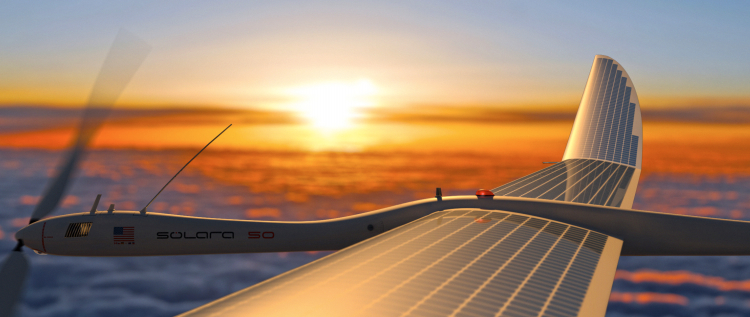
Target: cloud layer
{"points": [[306, 186]]}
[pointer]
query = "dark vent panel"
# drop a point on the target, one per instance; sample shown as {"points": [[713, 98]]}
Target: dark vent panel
{"points": [[78, 229]]}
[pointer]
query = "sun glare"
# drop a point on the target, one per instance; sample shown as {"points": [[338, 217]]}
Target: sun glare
{"points": [[333, 105]]}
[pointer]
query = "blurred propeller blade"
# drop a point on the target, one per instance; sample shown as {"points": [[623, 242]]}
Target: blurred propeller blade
{"points": [[13, 276], [125, 57]]}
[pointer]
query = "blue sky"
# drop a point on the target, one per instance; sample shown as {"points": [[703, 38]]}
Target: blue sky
{"points": [[248, 53]]}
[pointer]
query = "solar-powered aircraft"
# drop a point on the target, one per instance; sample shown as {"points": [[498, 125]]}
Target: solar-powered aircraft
{"points": [[546, 244]]}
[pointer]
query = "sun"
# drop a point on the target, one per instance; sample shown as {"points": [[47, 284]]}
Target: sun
{"points": [[333, 106]]}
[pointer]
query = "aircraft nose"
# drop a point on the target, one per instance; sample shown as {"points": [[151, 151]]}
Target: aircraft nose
{"points": [[31, 236]]}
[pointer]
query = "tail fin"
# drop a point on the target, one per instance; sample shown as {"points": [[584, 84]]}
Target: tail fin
{"points": [[608, 125], [602, 162]]}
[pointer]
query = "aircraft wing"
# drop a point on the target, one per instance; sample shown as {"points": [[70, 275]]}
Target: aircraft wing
{"points": [[583, 181], [463, 262], [478, 262]]}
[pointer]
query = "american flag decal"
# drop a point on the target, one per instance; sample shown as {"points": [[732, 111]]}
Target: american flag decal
{"points": [[124, 235]]}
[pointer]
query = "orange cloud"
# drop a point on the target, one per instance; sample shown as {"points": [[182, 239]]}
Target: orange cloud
{"points": [[127, 205], [70, 200], [188, 209], [234, 200], [20, 222], [186, 188], [683, 277], [648, 298], [160, 206], [367, 206], [29, 200], [296, 197], [327, 213], [263, 212]]}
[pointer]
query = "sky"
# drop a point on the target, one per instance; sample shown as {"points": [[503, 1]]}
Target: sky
{"points": [[427, 93], [261, 55]]}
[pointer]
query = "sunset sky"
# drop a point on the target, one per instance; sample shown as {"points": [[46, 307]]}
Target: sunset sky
{"points": [[273, 55], [342, 107]]}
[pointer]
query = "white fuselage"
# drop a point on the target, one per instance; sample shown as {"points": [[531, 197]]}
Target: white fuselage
{"points": [[130, 233]]}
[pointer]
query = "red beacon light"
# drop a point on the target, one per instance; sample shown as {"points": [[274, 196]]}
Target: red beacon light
{"points": [[483, 193]]}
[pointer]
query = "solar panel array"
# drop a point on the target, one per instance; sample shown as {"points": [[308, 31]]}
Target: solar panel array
{"points": [[606, 117], [460, 262], [577, 180]]}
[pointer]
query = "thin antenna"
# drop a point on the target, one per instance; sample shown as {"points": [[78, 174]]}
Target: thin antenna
{"points": [[143, 211]]}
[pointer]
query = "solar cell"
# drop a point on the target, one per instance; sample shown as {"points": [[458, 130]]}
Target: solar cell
{"points": [[633, 149], [578, 180], [604, 122], [440, 265]]}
